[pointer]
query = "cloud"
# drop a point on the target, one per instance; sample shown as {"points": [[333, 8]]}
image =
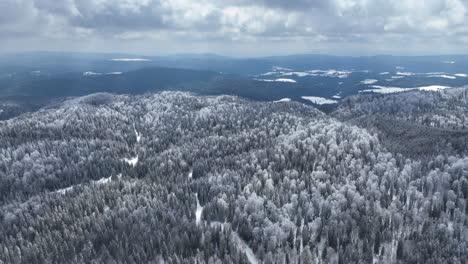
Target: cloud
{"points": [[326, 23]]}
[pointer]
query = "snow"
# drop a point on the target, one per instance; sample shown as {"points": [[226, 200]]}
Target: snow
{"points": [[405, 73], [65, 190], [285, 80], [90, 73], [369, 81], [336, 97], [461, 75], [244, 247], [129, 59], [132, 162], [138, 136], [386, 90], [335, 73], [277, 80], [433, 88], [190, 174], [319, 100], [283, 100], [443, 76], [268, 73], [276, 68], [449, 62], [323, 73], [298, 74], [103, 181], [384, 73], [98, 182], [198, 211], [239, 242]]}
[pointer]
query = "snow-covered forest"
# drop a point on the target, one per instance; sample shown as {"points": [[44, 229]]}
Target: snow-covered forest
{"points": [[177, 178]]}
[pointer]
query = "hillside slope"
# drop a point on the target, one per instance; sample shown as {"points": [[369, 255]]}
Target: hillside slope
{"points": [[184, 179]]}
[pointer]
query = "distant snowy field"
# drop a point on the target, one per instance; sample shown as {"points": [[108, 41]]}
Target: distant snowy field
{"points": [[319, 100], [386, 89]]}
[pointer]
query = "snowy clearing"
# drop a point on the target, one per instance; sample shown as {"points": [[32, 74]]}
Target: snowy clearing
{"points": [[283, 100], [319, 100], [129, 59], [369, 81], [132, 162], [285, 80], [386, 90], [405, 73], [64, 190], [277, 68], [103, 181], [90, 73], [443, 76], [138, 136], [198, 211], [277, 80]]}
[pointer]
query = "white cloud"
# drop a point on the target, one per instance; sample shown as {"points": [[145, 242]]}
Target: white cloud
{"points": [[353, 24]]}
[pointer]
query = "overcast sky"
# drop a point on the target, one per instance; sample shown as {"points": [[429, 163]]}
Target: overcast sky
{"points": [[236, 27]]}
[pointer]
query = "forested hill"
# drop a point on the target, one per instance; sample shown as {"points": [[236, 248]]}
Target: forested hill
{"points": [[178, 178]]}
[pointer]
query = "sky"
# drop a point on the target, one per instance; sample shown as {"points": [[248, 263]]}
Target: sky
{"points": [[236, 27]]}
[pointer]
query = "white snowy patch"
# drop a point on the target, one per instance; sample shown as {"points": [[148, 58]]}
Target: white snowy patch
{"points": [[277, 80], [322, 73], [138, 136], [245, 248], [268, 73], [384, 73], [319, 100], [90, 73], [443, 76], [369, 81], [190, 174], [65, 190], [198, 211], [276, 68], [127, 59], [433, 88], [405, 73], [132, 162], [386, 90], [335, 73], [336, 97], [283, 100], [461, 75], [449, 62], [299, 74], [285, 80], [103, 181]]}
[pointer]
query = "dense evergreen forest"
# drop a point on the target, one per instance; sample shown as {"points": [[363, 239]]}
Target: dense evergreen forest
{"points": [[173, 177]]}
